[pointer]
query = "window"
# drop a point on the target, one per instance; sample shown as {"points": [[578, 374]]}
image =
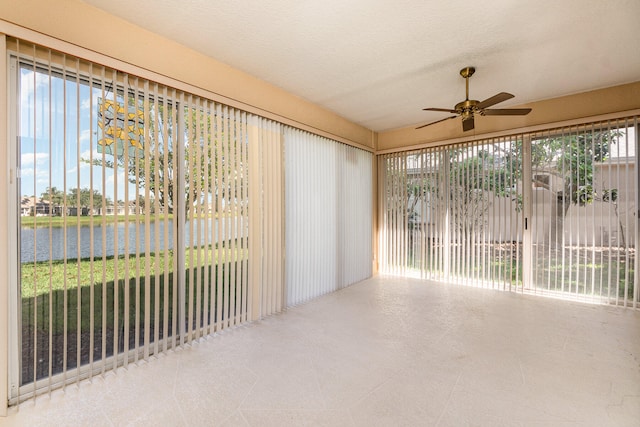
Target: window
{"points": [[129, 246], [150, 217], [463, 214]]}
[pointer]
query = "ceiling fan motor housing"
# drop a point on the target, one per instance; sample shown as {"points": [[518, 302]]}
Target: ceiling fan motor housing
{"points": [[466, 105]]}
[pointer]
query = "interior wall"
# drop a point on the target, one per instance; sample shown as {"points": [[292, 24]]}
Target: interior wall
{"points": [[587, 104], [75, 22]]}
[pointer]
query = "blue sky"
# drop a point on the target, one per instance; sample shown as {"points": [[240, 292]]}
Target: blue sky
{"points": [[46, 160]]}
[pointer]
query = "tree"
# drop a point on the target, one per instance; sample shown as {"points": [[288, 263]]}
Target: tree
{"points": [[152, 168], [474, 173], [53, 196], [85, 198], [462, 178], [573, 158]]}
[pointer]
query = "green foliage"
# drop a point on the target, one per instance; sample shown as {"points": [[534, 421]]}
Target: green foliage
{"points": [[205, 182], [574, 157], [85, 196], [497, 168], [610, 195], [53, 323], [56, 198], [52, 195]]}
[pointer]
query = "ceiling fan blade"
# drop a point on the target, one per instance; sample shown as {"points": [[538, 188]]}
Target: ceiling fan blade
{"points": [[506, 112], [433, 123], [468, 124], [444, 110], [495, 99]]}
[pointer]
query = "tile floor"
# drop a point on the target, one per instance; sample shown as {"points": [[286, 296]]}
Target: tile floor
{"points": [[384, 352]]}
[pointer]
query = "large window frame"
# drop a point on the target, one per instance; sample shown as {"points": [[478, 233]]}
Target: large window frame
{"points": [[212, 294], [592, 145], [227, 147]]}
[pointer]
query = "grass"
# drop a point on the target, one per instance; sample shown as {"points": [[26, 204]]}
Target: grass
{"points": [[66, 304], [588, 278], [47, 310], [88, 288], [59, 284], [582, 274], [40, 278], [70, 221], [50, 337]]}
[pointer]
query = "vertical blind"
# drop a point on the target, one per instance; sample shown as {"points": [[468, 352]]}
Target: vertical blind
{"points": [[328, 215], [151, 217], [134, 218], [268, 201], [216, 210], [451, 213], [551, 212], [584, 212], [354, 222]]}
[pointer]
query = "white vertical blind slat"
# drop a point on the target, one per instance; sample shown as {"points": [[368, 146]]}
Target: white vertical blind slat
{"points": [[219, 216], [233, 167], [157, 136], [165, 223], [206, 192]]}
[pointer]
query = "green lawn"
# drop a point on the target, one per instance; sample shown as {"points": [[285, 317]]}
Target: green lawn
{"points": [[51, 334], [46, 282], [67, 221], [43, 277]]}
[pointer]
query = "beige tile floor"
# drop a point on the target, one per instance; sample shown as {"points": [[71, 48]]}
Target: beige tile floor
{"points": [[384, 352]]}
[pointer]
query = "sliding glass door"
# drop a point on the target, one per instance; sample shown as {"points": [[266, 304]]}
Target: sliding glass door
{"points": [[133, 218], [584, 205], [454, 213], [97, 227], [551, 212]]}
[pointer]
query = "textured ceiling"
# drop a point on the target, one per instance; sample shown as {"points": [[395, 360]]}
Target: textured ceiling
{"points": [[379, 62]]}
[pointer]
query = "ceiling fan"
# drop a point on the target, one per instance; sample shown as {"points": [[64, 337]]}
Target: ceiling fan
{"points": [[469, 107]]}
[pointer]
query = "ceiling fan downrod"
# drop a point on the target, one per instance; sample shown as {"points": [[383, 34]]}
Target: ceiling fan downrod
{"points": [[465, 107], [467, 72]]}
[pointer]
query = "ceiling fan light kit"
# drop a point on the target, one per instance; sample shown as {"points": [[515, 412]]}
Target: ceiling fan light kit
{"points": [[469, 107]]}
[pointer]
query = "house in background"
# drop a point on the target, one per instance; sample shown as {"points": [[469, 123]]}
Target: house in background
{"points": [[32, 206]]}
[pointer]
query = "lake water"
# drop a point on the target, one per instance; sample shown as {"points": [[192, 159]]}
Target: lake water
{"points": [[42, 243]]}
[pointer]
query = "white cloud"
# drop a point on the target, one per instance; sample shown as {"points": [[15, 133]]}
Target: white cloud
{"points": [[27, 159], [85, 136], [86, 104], [27, 85], [41, 174], [73, 170], [87, 154]]}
